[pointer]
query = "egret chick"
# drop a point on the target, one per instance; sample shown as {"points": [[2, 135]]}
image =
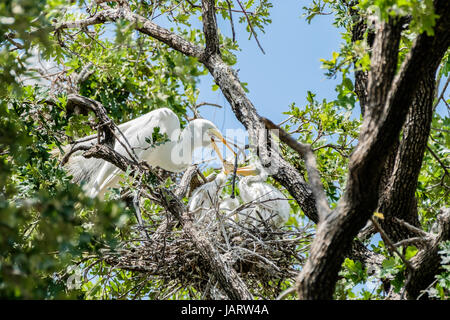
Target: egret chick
{"points": [[205, 197], [270, 204]]}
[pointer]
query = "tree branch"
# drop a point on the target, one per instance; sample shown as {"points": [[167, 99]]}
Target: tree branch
{"points": [[210, 28], [250, 26], [427, 262], [141, 24], [307, 154], [379, 131]]}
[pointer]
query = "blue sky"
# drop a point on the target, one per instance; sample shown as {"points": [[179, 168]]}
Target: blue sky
{"points": [[286, 72], [289, 68]]}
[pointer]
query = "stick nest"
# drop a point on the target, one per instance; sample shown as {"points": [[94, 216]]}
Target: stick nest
{"points": [[264, 256]]}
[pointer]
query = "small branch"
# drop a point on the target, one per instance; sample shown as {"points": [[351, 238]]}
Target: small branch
{"points": [[409, 241], [230, 12], [208, 104], [311, 167], [219, 8], [441, 96], [85, 73], [390, 244], [9, 37], [444, 167], [71, 152], [413, 228], [285, 120], [195, 111], [250, 25], [337, 148]]}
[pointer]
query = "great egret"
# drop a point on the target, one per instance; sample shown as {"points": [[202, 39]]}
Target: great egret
{"points": [[271, 206], [174, 155]]}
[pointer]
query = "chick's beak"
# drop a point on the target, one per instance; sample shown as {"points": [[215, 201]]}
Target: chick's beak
{"points": [[247, 171]]}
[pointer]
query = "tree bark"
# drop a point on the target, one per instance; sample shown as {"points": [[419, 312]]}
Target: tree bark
{"points": [[399, 195], [388, 103]]}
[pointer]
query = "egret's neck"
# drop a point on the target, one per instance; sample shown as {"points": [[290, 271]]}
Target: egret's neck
{"points": [[183, 149]]}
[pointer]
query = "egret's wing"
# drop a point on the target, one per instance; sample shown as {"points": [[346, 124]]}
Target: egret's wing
{"points": [[250, 190], [165, 115], [138, 130], [276, 205], [163, 118]]}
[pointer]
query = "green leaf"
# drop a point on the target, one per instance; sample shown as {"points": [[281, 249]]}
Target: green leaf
{"points": [[411, 251]]}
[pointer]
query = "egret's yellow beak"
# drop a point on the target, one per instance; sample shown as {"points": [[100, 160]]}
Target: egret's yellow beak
{"points": [[214, 145], [222, 139], [247, 171]]}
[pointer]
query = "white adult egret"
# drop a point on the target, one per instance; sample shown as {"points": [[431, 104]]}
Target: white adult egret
{"points": [[174, 155], [271, 206]]}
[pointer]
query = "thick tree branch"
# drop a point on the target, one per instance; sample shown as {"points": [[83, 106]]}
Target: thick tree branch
{"points": [[383, 67], [379, 131], [398, 198], [141, 24], [210, 28], [106, 126]]}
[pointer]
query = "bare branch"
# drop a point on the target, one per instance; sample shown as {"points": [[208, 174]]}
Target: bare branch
{"points": [[413, 228], [251, 26], [208, 104], [311, 166], [441, 96], [390, 244], [141, 24], [10, 38], [230, 12]]}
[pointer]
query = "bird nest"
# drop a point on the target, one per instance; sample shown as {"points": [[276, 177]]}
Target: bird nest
{"points": [[265, 257]]}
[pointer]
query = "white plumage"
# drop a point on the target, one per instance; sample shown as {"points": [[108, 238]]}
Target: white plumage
{"points": [[270, 205], [207, 196], [174, 155], [229, 204]]}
